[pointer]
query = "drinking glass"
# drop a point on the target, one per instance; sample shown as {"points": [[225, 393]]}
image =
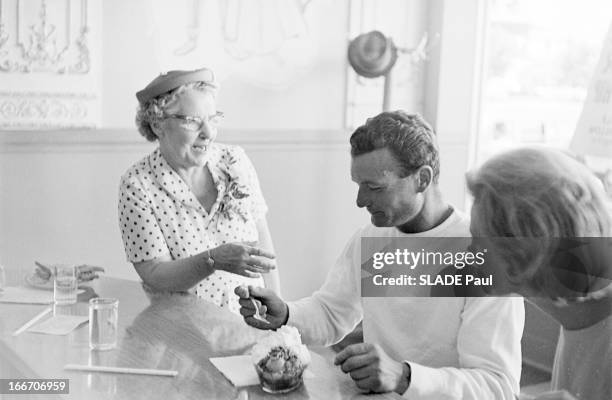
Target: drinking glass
{"points": [[103, 314], [65, 285]]}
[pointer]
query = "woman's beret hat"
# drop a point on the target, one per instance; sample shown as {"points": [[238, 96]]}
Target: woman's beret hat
{"points": [[173, 79]]}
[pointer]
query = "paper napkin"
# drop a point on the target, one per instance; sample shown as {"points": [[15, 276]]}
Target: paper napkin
{"points": [[238, 369], [19, 294]]}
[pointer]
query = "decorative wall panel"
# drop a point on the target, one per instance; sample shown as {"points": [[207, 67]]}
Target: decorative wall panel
{"points": [[50, 64]]}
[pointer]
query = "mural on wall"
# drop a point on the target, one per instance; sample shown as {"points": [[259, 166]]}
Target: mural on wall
{"points": [[264, 42], [55, 45], [272, 44]]}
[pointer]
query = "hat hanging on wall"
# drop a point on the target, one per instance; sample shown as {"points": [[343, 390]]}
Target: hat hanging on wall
{"points": [[372, 55]]}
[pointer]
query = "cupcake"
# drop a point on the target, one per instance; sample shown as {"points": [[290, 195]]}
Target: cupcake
{"points": [[280, 359]]}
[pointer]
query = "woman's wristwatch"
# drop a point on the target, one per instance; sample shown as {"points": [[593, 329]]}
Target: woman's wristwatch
{"points": [[210, 261]]}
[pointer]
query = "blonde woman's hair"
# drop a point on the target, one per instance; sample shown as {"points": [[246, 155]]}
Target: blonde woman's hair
{"points": [[154, 109], [538, 193]]}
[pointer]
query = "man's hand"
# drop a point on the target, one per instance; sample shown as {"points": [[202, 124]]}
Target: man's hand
{"points": [[271, 307], [372, 369]]}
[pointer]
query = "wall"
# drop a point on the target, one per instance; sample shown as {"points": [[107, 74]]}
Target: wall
{"points": [[312, 99], [452, 87]]}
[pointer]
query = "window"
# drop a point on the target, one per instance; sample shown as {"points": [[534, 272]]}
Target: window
{"points": [[539, 58]]}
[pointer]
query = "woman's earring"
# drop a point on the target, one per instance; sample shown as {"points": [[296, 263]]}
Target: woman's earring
{"points": [[155, 128]]}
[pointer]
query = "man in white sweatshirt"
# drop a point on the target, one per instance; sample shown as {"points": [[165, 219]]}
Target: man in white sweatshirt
{"points": [[423, 348]]}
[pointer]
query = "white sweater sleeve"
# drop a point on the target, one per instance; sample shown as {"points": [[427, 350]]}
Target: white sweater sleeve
{"points": [[335, 309], [489, 347]]}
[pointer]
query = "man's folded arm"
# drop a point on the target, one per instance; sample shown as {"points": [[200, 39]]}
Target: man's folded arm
{"points": [[489, 347]]}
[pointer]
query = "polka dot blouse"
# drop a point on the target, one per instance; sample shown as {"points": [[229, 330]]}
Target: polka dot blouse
{"points": [[160, 215]]}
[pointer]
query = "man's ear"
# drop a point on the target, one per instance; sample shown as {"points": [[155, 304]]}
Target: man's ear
{"points": [[424, 178]]}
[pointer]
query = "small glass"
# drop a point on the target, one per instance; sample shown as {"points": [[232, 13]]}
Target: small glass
{"points": [[277, 383], [103, 315], [65, 285]]}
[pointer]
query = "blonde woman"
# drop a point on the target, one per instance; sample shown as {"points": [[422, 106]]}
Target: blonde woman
{"points": [[542, 197]]}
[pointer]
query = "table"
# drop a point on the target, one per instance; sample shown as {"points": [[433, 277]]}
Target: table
{"points": [[178, 332]]}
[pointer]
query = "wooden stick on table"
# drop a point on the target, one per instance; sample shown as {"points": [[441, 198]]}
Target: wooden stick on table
{"points": [[120, 370], [32, 321]]}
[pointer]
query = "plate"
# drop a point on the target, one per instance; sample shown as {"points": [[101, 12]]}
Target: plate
{"points": [[36, 281]]}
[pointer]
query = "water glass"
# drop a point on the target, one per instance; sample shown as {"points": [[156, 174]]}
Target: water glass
{"points": [[65, 285], [103, 314]]}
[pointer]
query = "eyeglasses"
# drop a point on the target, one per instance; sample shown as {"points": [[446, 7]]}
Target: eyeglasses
{"points": [[192, 123]]}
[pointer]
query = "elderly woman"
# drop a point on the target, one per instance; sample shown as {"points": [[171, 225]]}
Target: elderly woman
{"points": [[538, 197], [192, 211]]}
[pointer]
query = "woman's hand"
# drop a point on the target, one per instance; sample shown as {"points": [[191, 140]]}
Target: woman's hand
{"points": [[88, 272], [84, 272], [242, 259]]}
